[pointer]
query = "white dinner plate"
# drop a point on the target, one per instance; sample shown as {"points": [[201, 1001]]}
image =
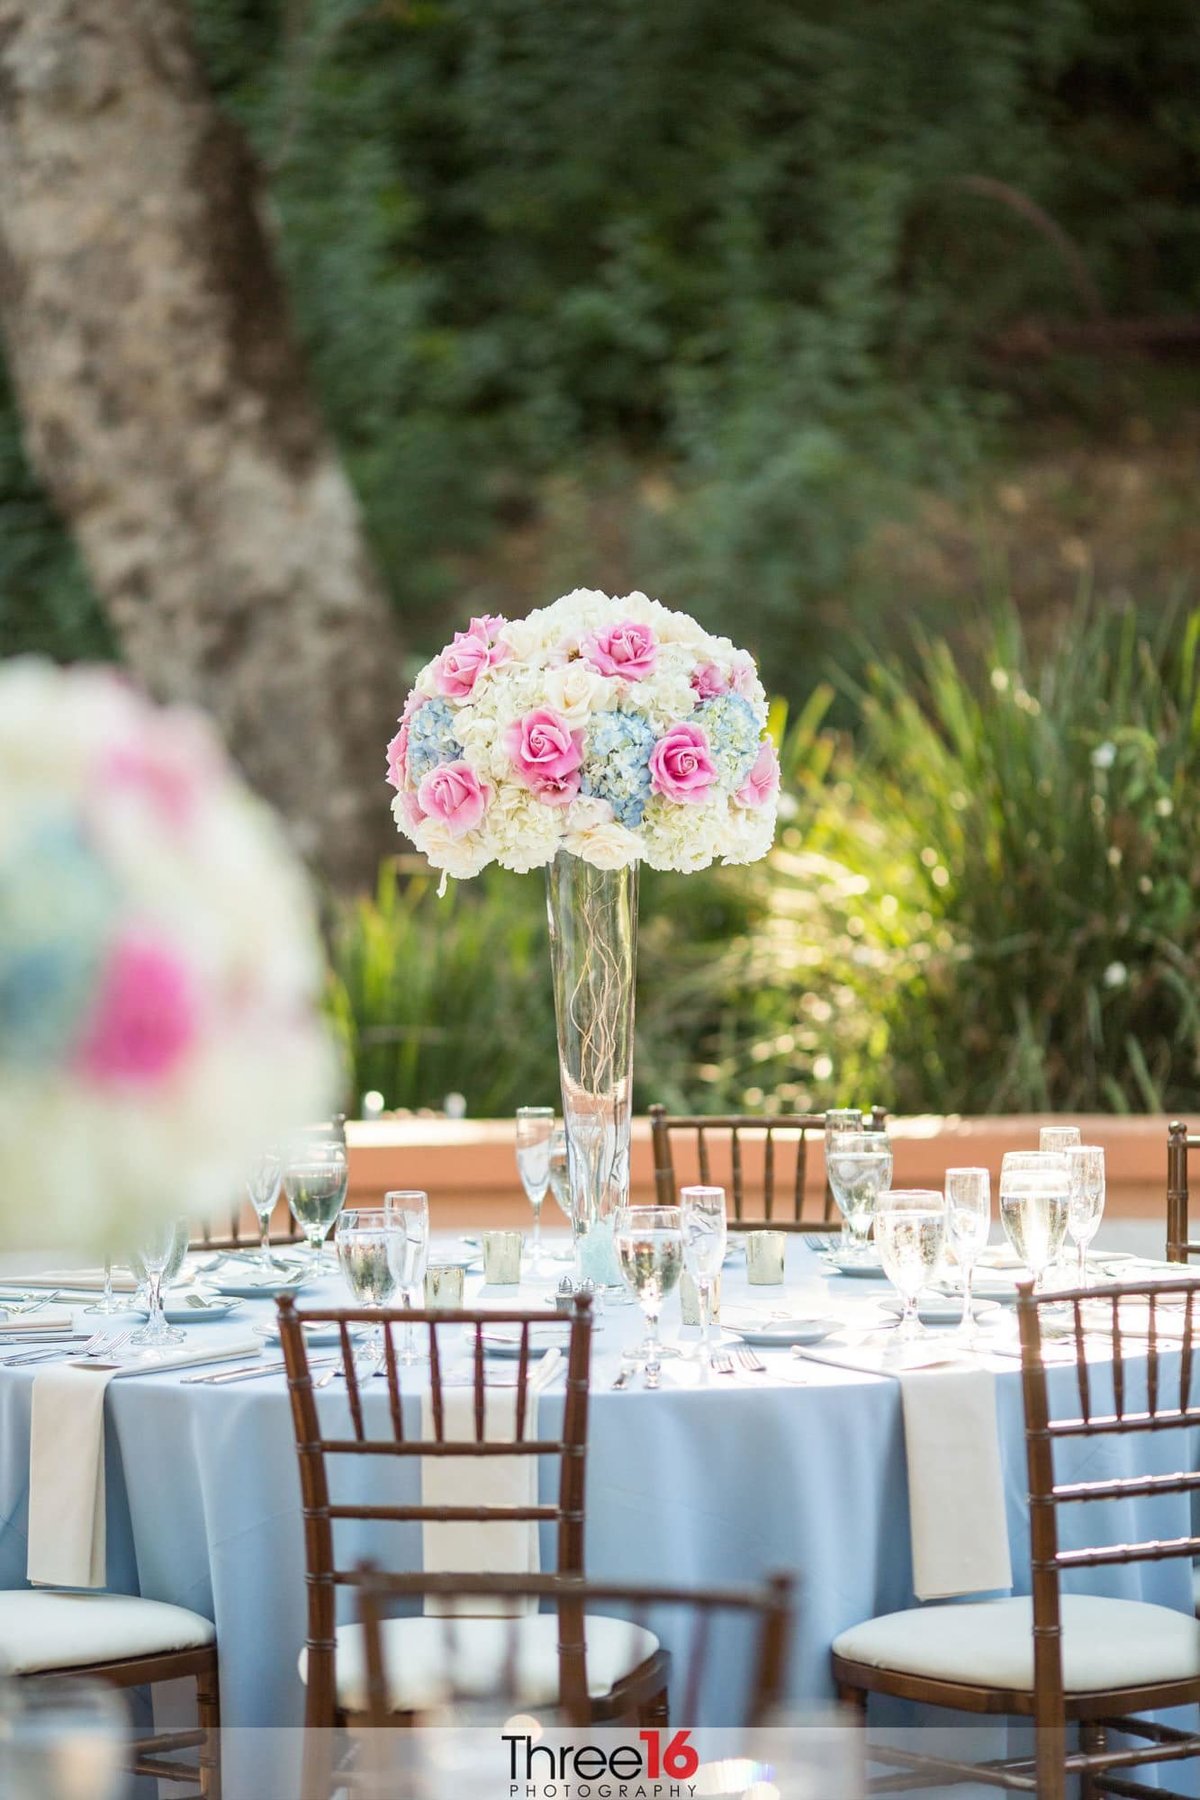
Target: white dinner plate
{"points": [[505, 1340], [177, 1311], [782, 1332], [945, 1309], [870, 1269], [259, 1290], [320, 1333]]}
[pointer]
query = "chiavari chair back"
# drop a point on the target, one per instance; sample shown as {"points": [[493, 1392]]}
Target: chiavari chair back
{"points": [[690, 1619], [335, 1444], [1181, 1143], [762, 1163], [1098, 1664]]}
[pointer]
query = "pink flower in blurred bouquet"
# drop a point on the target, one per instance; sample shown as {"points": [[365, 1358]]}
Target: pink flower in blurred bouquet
{"points": [[146, 1015], [681, 767], [461, 664], [454, 794], [546, 754], [627, 650], [762, 783], [397, 750], [744, 677], [708, 681]]}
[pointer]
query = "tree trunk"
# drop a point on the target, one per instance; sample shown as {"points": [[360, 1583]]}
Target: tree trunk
{"points": [[168, 413]]}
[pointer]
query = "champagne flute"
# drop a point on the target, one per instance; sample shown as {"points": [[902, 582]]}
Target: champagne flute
{"points": [[560, 1172], [368, 1260], [910, 1231], [649, 1245], [968, 1220], [159, 1246], [263, 1182], [1085, 1205], [408, 1244], [535, 1127], [1034, 1196], [859, 1167], [1059, 1137], [315, 1178], [704, 1231]]}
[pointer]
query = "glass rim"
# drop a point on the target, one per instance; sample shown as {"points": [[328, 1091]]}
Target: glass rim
{"points": [[639, 1212], [709, 1192], [933, 1197], [1084, 1150], [397, 1194], [869, 1136], [536, 1112], [1035, 1159]]}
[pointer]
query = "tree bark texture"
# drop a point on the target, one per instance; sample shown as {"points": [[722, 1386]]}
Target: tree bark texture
{"points": [[166, 409]]}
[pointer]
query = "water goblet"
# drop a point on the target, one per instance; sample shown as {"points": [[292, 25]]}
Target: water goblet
{"points": [[859, 1168], [535, 1128], [1059, 1137], [1085, 1205], [408, 1211], [1034, 1195], [315, 1179], [263, 1181], [363, 1239], [649, 1245], [162, 1245], [704, 1233], [910, 1231], [968, 1220], [171, 1268]]}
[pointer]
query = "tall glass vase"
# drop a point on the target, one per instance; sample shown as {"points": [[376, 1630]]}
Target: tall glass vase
{"points": [[593, 950]]}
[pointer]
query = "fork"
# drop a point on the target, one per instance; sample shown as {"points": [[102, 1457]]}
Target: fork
{"points": [[99, 1344], [721, 1363], [750, 1359]]}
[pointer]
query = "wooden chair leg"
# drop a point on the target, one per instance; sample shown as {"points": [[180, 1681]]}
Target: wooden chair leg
{"points": [[1093, 1739], [854, 1700], [656, 1711], [208, 1708]]}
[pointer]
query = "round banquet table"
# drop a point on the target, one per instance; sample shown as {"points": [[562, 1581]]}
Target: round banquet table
{"points": [[696, 1483]]}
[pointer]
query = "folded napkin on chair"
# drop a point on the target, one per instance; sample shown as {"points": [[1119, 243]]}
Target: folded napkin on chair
{"points": [[492, 1547], [955, 1484]]}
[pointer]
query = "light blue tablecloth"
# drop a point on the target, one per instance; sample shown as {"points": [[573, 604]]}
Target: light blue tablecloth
{"points": [[716, 1483]]}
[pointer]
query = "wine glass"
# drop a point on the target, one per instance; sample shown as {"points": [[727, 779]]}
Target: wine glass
{"points": [[162, 1244], [175, 1259], [369, 1259], [1085, 1204], [560, 1172], [535, 1128], [109, 1303], [649, 1245], [1034, 1192], [968, 1220], [859, 1167], [262, 1185], [315, 1178], [910, 1232], [1059, 1137], [703, 1210], [408, 1245]]}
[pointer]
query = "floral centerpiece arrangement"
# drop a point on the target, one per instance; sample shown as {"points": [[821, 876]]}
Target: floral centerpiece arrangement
{"points": [[616, 730], [590, 737], [159, 966]]}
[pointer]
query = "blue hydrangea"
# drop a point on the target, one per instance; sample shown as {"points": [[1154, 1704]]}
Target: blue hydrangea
{"points": [[56, 911], [733, 736], [616, 763], [431, 739]]}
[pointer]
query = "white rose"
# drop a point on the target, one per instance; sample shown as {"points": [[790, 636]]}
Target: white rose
{"points": [[596, 836], [576, 690]]}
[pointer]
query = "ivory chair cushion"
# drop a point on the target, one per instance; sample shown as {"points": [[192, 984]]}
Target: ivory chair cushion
{"points": [[43, 1628], [428, 1658], [989, 1643]]}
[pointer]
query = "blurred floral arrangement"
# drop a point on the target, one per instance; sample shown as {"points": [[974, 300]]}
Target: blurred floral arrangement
{"points": [[615, 729], [159, 964]]}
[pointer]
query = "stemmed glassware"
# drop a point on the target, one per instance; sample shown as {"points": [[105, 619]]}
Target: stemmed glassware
{"points": [[1085, 1205], [315, 1178], [968, 1221], [369, 1256], [1059, 1137], [649, 1246], [910, 1232], [408, 1246], [263, 1182], [1034, 1196], [560, 1172], [859, 1166], [109, 1303], [158, 1259], [535, 1127], [704, 1232]]}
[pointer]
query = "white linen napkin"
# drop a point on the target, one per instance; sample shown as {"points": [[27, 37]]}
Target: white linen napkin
{"points": [[955, 1484], [80, 1281], [45, 1318], [67, 1540], [493, 1547]]}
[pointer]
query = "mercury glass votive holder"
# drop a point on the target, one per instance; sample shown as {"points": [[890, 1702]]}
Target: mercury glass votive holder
{"points": [[444, 1287], [764, 1258], [502, 1258]]}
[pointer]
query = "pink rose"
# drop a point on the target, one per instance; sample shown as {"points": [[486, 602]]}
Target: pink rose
{"points": [[680, 765], [762, 783], [410, 812], [708, 681], [742, 680], [489, 627], [627, 650], [146, 1017], [397, 750], [454, 794], [546, 754], [459, 666]]}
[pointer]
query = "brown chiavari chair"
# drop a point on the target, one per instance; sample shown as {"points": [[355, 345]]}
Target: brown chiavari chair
{"points": [[1180, 1144], [735, 1149], [561, 1687], [1064, 1660], [331, 1499], [243, 1232]]}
